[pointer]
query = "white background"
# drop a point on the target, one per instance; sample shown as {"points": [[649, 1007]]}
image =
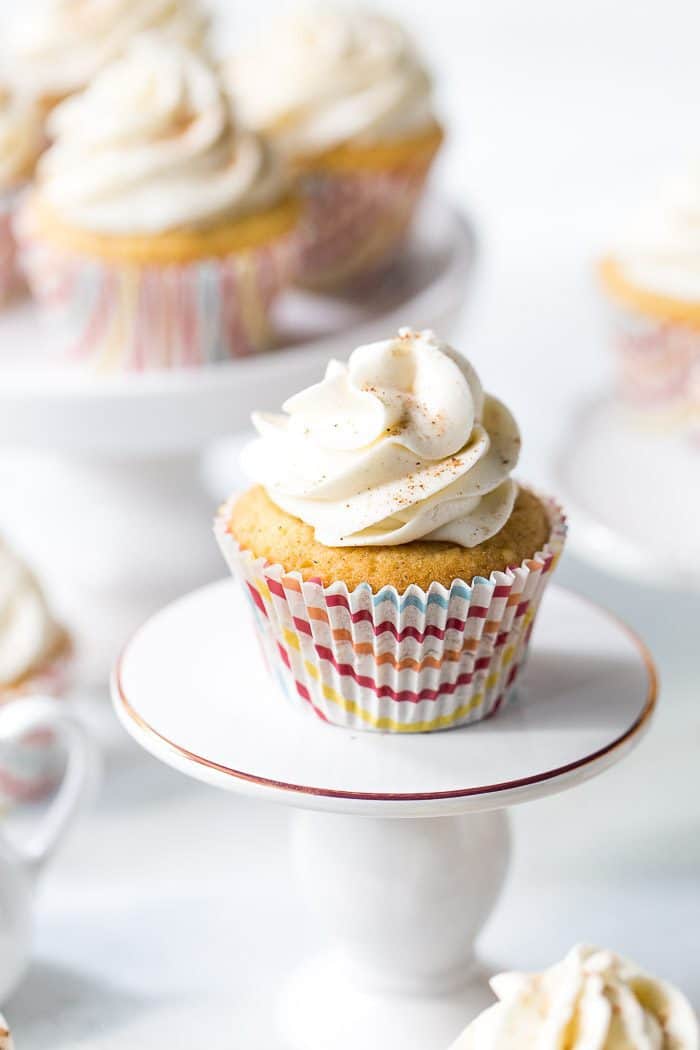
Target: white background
{"points": [[169, 920]]}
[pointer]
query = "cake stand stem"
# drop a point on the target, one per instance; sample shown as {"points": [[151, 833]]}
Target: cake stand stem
{"points": [[402, 902]]}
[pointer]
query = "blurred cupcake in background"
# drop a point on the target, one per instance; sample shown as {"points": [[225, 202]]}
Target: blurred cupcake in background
{"points": [[652, 282], [56, 47], [20, 145], [592, 1000], [158, 233], [344, 95], [393, 565], [35, 659]]}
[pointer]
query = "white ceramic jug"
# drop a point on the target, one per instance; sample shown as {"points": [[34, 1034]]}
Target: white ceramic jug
{"points": [[22, 861]]}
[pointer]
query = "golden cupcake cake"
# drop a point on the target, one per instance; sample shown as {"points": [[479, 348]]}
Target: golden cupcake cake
{"points": [[64, 44], [651, 280], [158, 233], [20, 144], [35, 657], [344, 95], [592, 1000], [393, 565]]}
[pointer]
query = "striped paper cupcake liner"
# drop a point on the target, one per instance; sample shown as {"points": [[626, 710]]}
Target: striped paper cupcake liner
{"points": [[31, 768], [658, 368], [401, 663], [356, 223], [114, 317]]}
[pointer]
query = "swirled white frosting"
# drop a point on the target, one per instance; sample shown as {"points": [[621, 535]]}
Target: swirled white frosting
{"points": [[152, 146], [20, 138], [593, 1000], [398, 444], [660, 252], [328, 75], [28, 632], [6, 1040], [63, 44]]}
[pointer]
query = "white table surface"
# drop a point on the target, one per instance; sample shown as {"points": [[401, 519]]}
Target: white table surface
{"points": [[169, 920]]}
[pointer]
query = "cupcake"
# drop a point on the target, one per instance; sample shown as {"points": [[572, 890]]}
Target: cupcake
{"points": [[20, 144], [652, 283], [345, 97], [6, 1040], [35, 656], [158, 233], [592, 1000], [64, 44], [393, 565]]}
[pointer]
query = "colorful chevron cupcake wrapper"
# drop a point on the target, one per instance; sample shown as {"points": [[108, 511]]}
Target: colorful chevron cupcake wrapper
{"points": [[356, 223], [114, 317], [401, 663], [658, 368]]}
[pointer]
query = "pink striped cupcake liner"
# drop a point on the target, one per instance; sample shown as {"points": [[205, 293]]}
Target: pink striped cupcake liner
{"points": [[356, 223], [658, 368], [31, 768], [399, 663], [114, 317]]}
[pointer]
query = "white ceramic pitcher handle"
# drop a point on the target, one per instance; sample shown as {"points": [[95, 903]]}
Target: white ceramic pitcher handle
{"points": [[79, 779]]}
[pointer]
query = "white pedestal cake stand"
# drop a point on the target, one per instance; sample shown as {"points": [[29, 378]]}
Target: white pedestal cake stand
{"points": [[632, 495], [400, 843], [108, 466]]}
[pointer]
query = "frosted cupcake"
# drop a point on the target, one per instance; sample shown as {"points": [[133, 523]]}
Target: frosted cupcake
{"points": [[35, 656], [394, 566], [64, 44], [158, 234], [652, 281], [592, 1000], [344, 95], [20, 144]]}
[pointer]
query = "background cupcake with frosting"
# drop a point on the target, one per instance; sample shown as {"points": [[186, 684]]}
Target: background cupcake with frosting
{"points": [[158, 232], [35, 659], [57, 47], [20, 145], [345, 96], [651, 280], [394, 566]]}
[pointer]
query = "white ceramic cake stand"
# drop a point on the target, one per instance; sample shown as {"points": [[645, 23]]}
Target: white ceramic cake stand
{"points": [[400, 844], [632, 495], [105, 485]]}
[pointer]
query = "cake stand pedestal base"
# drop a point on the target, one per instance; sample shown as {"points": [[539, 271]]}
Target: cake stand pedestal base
{"points": [[403, 902]]}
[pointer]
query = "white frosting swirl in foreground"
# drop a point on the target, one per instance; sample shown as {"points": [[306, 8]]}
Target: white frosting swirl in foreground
{"points": [[151, 146], [329, 75], [593, 1000], [6, 1040], [62, 44], [20, 138], [400, 444], [28, 632], [661, 252]]}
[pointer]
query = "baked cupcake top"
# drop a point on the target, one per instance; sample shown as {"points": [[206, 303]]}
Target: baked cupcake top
{"points": [[400, 444], [29, 635], [330, 75], [152, 146], [64, 43], [593, 1000], [659, 252], [20, 138], [6, 1040]]}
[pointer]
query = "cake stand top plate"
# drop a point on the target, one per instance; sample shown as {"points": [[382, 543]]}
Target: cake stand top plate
{"points": [[187, 689]]}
